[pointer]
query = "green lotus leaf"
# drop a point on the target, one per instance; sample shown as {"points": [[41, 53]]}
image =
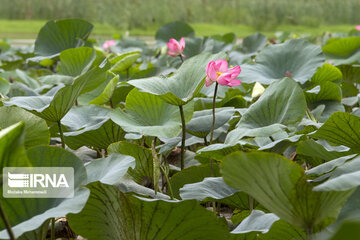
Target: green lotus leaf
{"points": [[12, 150], [109, 170], [215, 189], [280, 186], [124, 217], [326, 91], [321, 150], [279, 230], [342, 129], [143, 171], [56, 36], [76, 61], [327, 73], [329, 165], [254, 43], [26, 79], [91, 126], [257, 221], [351, 74], [200, 124], [346, 176], [36, 130], [148, 114], [4, 86], [210, 187], [107, 93], [283, 102], [343, 51], [282, 105], [124, 61], [296, 58], [192, 175], [217, 151]]}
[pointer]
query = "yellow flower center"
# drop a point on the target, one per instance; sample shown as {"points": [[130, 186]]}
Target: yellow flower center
{"points": [[218, 73]]}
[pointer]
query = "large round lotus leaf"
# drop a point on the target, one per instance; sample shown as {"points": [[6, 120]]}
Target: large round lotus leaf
{"points": [[174, 30], [282, 102], [343, 51], [149, 115], [295, 58], [280, 186], [56, 36], [111, 214]]}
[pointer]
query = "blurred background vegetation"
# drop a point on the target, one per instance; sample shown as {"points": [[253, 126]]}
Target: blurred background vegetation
{"points": [[261, 15]]}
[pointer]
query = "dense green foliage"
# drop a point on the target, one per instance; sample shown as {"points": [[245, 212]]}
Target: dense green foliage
{"points": [[157, 154]]}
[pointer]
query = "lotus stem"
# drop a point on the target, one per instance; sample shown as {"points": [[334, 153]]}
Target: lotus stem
{"points": [[61, 134], [251, 203], [156, 166], [212, 135], [182, 59], [205, 141], [7, 223], [182, 153], [168, 183], [52, 229], [213, 111]]}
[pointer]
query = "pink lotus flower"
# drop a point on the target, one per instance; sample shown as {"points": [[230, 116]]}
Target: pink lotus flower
{"points": [[217, 71], [357, 27], [176, 48], [108, 43]]}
